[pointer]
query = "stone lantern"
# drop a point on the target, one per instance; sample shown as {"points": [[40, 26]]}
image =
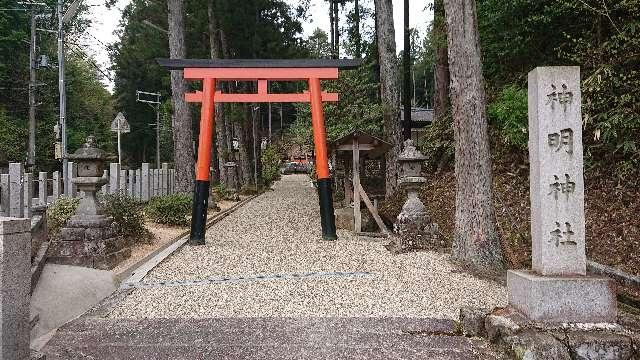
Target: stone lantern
{"points": [[413, 227], [89, 237]]}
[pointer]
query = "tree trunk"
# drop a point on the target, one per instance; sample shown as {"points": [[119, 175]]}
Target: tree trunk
{"points": [[336, 24], [389, 89], [333, 30], [181, 120], [476, 242], [357, 37], [406, 76], [441, 96], [220, 126], [246, 149]]}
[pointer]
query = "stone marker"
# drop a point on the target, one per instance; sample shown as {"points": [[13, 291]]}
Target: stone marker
{"points": [[15, 285], [16, 195], [557, 290]]}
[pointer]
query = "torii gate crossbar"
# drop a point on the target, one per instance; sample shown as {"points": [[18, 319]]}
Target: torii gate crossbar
{"points": [[262, 71]]}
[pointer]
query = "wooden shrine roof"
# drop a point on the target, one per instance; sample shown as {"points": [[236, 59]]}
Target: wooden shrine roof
{"points": [[370, 146]]}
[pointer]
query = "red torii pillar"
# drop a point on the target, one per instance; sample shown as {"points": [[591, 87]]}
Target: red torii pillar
{"points": [[262, 71]]}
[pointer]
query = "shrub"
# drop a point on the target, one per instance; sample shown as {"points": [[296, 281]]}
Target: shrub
{"points": [[509, 113], [270, 164], [58, 214], [128, 214], [170, 210]]}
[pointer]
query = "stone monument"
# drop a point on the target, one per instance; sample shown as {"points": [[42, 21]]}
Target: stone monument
{"points": [[89, 238], [413, 227], [557, 289]]}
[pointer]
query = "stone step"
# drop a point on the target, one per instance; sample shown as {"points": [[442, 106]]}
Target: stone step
{"points": [[265, 338]]}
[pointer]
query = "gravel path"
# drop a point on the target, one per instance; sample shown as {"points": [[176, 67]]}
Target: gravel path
{"points": [[279, 233]]}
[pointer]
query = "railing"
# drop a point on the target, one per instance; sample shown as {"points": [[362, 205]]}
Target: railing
{"points": [[21, 192]]}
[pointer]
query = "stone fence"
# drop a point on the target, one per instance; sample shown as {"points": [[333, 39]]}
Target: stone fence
{"points": [[21, 192]]}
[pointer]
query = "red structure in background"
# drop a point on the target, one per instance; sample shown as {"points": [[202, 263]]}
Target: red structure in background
{"points": [[262, 71]]}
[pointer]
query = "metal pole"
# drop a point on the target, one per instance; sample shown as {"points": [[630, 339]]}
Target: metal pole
{"points": [[63, 99], [119, 149], [157, 136], [31, 153]]}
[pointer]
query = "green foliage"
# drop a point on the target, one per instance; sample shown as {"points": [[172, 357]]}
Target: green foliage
{"points": [[128, 214], [170, 210], [58, 213], [358, 109], [603, 38], [271, 164], [12, 144], [438, 144], [509, 113]]}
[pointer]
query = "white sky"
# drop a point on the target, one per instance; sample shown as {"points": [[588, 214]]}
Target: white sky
{"points": [[106, 21]]}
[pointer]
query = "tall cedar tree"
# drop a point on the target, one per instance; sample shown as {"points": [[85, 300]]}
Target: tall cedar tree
{"points": [[476, 242], [389, 89], [181, 119], [439, 31]]}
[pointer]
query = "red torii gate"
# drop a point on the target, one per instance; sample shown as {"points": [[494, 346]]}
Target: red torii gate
{"points": [[262, 71]]}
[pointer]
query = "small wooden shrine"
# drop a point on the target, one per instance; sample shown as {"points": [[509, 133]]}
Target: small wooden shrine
{"points": [[359, 162]]}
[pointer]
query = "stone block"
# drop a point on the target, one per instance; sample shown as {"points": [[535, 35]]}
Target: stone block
{"points": [[71, 234], [10, 226], [562, 299], [472, 321], [16, 192], [15, 286], [587, 345], [498, 327], [533, 345]]}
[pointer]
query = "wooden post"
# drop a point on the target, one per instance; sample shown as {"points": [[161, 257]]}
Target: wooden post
{"points": [[357, 215]]}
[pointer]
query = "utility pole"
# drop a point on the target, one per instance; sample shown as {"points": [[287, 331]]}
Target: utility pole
{"points": [[31, 152], [63, 100], [406, 62], [153, 99]]}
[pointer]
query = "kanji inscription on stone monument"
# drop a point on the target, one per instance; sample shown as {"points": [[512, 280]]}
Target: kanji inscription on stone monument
{"points": [[557, 180]]}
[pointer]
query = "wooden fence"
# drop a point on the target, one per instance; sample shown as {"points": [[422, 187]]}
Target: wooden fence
{"points": [[21, 192]]}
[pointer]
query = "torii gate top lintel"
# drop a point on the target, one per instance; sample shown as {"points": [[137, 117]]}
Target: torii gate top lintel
{"points": [[210, 71]]}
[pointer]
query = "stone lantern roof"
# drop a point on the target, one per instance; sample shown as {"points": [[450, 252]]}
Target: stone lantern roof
{"points": [[89, 151], [410, 153]]}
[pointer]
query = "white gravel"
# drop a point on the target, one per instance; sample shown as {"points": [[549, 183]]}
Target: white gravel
{"points": [[279, 233]]}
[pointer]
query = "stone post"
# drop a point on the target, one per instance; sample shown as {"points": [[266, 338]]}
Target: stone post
{"points": [[557, 290], [73, 172], [123, 182], [56, 185], [145, 184], [42, 188], [138, 184], [16, 194], [4, 194], [15, 285], [130, 182], [164, 182], [114, 178], [28, 194]]}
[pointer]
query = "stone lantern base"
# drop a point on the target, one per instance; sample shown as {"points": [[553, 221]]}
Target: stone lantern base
{"points": [[90, 241]]}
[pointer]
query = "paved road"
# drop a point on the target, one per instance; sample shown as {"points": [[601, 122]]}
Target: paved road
{"points": [[265, 287]]}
